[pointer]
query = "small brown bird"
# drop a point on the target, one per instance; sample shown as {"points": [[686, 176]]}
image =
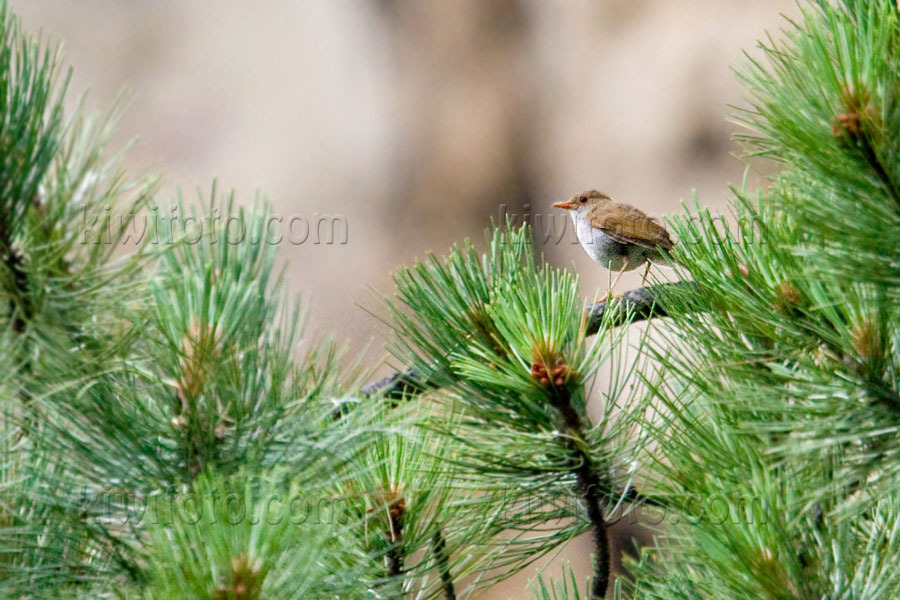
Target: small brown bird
{"points": [[616, 235]]}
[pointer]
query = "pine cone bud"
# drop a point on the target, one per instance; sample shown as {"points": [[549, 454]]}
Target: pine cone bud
{"points": [[199, 352], [867, 340], [554, 375], [858, 119], [397, 508], [246, 581], [788, 299]]}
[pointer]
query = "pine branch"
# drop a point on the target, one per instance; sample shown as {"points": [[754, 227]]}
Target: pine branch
{"points": [[630, 494], [397, 385], [395, 537], [439, 548], [20, 308], [871, 156], [640, 303], [589, 490]]}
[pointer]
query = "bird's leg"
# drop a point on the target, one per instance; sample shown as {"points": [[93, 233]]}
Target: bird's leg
{"points": [[646, 272], [609, 290]]}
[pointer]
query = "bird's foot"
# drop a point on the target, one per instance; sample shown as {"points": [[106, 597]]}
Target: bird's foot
{"points": [[609, 296]]}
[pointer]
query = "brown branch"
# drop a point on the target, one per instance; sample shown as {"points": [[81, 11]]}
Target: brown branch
{"points": [[394, 535], [630, 494], [439, 548], [870, 155], [397, 385], [589, 489], [20, 308]]}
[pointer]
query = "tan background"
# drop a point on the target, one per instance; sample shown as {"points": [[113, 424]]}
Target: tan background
{"points": [[418, 120]]}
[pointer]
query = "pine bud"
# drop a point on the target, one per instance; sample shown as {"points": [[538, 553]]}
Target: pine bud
{"points": [[200, 349], [246, 581], [858, 119], [397, 508], [554, 375], [867, 340], [788, 299]]}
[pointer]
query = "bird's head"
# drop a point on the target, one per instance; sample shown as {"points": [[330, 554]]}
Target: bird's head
{"points": [[584, 201]]}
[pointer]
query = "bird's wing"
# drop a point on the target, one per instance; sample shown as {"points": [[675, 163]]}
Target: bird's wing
{"points": [[628, 225]]}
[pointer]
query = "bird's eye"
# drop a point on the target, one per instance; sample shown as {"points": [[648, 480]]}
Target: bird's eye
{"points": [[583, 199]]}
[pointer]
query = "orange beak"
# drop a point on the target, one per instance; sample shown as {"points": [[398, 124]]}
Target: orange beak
{"points": [[565, 205]]}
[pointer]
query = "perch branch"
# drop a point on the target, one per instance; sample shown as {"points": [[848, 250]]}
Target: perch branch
{"points": [[640, 303]]}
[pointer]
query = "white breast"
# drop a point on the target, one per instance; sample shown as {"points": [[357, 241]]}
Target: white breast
{"points": [[605, 250]]}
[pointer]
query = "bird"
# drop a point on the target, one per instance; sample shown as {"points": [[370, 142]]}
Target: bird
{"points": [[616, 235]]}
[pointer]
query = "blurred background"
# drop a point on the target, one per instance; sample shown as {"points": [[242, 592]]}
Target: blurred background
{"points": [[418, 121]]}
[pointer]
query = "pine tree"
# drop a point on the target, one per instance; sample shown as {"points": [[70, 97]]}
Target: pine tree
{"points": [[170, 432], [777, 395]]}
